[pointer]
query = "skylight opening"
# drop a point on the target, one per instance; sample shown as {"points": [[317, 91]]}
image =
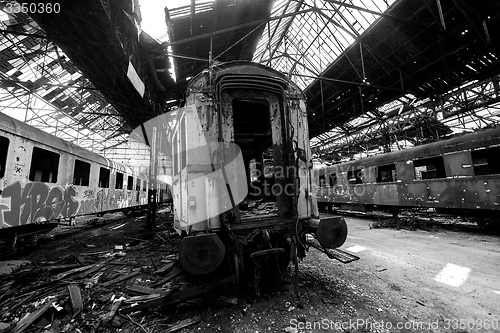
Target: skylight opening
{"points": [[326, 46]]}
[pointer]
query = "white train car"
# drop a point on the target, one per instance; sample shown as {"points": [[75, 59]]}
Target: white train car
{"points": [[46, 179], [225, 204]]}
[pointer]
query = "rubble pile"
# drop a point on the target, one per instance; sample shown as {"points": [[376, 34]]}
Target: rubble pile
{"points": [[103, 288]]}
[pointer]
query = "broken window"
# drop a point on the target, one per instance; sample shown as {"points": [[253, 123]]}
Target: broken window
{"points": [[355, 176], [322, 180], [130, 183], [386, 173], [104, 177], [44, 166], [119, 181], [4, 148], [429, 168], [333, 179], [486, 161], [81, 173]]}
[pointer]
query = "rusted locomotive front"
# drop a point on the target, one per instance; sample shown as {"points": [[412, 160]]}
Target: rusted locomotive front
{"points": [[242, 171]]}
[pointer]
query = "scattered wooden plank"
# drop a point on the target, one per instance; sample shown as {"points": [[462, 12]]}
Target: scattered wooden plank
{"points": [[40, 286], [75, 297], [62, 267], [108, 317], [80, 260], [117, 227], [124, 263], [73, 271], [163, 239], [121, 278], [142, 298], [170, 257], [182, 324], [62, 259], [165, 268], [137, 239], [172, 275], [180, 296], [95, 268], [144, 290], [94, 253], [29, 318]]}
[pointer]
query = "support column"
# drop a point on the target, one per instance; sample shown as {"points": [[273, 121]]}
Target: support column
{"points": [[153, 182]]}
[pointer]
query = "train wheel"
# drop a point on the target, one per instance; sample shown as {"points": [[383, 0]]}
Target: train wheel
{"points": [[488, 224]]}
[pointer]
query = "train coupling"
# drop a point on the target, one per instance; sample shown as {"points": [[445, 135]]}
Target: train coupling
{"points": [[331, 232]]}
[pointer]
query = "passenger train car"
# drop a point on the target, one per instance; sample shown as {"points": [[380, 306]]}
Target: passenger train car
{"points": [[459, 175], [234, 115], [44, 179]]}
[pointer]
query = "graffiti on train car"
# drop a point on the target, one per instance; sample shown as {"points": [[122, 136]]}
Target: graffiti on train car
{"points": [[36, 201]]}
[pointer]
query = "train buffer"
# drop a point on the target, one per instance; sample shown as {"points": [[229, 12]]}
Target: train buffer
{"points": [[337, 254]]}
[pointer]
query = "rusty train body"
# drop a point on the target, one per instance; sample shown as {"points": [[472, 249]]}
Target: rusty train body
{"points": [[459, 176], [44, 179], [236, 115]]}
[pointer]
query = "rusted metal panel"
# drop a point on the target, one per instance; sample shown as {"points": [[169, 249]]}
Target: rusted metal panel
{"points": [[387, 194], [405, 171], [458, 164]]}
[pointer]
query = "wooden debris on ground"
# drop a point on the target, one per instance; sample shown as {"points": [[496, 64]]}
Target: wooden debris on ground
{"points": [[95, 291], [75, 297]]}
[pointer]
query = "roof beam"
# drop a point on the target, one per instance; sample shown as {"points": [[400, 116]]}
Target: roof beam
{"points": [[223, 31], [389, 16]]}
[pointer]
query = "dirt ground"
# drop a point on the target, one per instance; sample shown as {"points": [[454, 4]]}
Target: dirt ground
{"points": [[92, 258]]}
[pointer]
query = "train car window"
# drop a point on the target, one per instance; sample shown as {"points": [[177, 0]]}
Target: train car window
{"points": [[81, 173], [429, 168], [44, 166], [119, 181], [485, 161], [333, 179], [138, 184], [4, 148], [104, 177], [386, 173], [355, 176], [130, 183], [322, 180]]}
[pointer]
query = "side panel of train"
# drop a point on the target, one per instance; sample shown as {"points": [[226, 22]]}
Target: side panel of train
{"points": [[41, 183], [466, 181]]}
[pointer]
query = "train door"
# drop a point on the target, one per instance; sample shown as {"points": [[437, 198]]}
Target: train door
{"points": [[258, 125]]}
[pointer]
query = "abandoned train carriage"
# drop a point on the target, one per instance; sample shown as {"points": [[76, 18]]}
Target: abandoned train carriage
{"points": [[44, 178], [459, 175], [223, 202]]}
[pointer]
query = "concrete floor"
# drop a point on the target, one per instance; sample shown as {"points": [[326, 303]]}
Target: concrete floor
{"points": [[453, 273]]}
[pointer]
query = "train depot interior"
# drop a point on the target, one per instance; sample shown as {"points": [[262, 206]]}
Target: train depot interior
{"points": [[380, 116]]}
